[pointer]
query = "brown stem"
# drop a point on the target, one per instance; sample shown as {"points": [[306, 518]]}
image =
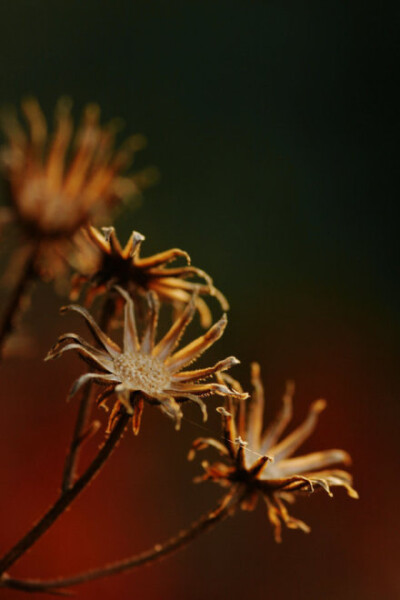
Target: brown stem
{"points": [[14, 304], [158, 552], [76, 442], [66, 497], [84, 410]]}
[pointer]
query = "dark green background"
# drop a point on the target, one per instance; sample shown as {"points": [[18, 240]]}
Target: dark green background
{"points": [[275, 128]]}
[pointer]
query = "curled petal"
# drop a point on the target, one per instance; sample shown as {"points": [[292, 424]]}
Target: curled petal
{"points": [[90, 377], [203, 443], [97, 333]]}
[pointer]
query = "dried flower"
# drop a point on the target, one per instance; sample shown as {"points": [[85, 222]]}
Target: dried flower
{"points": [[144, 370], [104, 263], [258, 463], [55, 187]]}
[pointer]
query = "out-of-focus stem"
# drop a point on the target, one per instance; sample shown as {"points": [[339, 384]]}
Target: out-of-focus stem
{"points": [[158, 552], [28, 274], [66, 497]]}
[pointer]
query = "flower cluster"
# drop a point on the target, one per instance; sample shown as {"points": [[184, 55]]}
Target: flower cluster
{"points": [[60, 188]]}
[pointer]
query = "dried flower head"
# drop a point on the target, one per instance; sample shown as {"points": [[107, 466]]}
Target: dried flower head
{"points": [[57, 184], [260, 464], [103, 262], [143, 369]]}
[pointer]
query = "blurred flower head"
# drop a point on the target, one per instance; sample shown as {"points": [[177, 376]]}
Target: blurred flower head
{"points": [[103, 262], [144, 369], [259, 463], [59, 182]]}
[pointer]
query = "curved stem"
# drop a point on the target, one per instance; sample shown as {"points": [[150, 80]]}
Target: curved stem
{"points": [[66, 497], [14, 304], [158, 552]]}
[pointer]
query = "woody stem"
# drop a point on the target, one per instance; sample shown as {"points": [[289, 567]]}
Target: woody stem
{"points": [[158, 552], [66, 497], [13, 307]]}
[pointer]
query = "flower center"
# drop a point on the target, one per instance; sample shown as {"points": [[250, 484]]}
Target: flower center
{"points": [[142, 372]]}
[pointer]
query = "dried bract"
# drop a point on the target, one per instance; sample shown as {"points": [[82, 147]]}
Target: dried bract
{"points": [[259, 463], [103, 262], [144, 369], [58, 183]]}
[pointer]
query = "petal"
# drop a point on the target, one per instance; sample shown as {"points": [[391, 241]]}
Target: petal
{"points": [[334, 478], [94, 377], [172, 337], [297, 437], [197, 401], [174, 277], [162, 258], [137, 415], [258, 466], [150, 331], [61, 139], [133, 245], [103, 339], [313, 461], [295, 483], [37, 125], [203, 443], [203, 389], [112, 240], [193, 350], [275, 429], [95, 358], [180, 298], [101, 398], [222, 365], [131, 340], [256, 410], [171, 408]]}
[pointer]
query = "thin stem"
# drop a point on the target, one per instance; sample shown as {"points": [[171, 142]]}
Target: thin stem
{"points": [[158, 552], [14, 304], [66, 497], [84, 410], [77, 437]]}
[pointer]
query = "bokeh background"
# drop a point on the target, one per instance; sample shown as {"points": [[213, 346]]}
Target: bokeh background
{"points": [[274, 127]]}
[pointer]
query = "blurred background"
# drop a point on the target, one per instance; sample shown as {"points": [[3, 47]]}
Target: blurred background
{"points": [[274, 127]]}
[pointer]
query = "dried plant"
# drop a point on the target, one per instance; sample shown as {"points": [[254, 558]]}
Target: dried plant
{"points": [[154, 370], [58, 184], [260, 464], [57, 194], [103, 262]]}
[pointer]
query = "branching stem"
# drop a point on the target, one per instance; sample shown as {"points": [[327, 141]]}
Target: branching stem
{"points": [[66, 497], [158, 552]]}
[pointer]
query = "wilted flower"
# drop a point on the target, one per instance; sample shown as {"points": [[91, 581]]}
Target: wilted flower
{"points": [[104, 262], [259, 464], [56, 185], [144, 369]]}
